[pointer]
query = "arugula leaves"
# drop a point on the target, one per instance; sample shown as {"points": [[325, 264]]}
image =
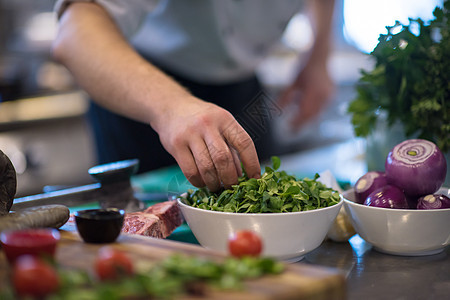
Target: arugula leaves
{"points": [[274, 192], [410, 81]]}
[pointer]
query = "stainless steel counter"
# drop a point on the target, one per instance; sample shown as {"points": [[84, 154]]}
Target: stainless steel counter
{"points": [[374, 275]]}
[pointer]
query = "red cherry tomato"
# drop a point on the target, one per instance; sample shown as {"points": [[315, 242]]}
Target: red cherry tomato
{"points": [[245, 243], [112, 264], [32, 277]]}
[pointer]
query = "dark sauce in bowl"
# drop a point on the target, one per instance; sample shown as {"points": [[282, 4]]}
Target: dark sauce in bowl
{"points": [[101, 225]]}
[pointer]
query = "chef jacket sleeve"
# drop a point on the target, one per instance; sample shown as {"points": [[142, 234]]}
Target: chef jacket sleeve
{"points": [[127, 14]]}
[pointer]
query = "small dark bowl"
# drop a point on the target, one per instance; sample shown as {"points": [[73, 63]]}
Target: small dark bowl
{"points": [[39, 242], [99, 225]]}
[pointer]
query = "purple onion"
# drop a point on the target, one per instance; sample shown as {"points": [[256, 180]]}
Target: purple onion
{"points": [[416, 166], [367, 183], [388, 196], [433, 201]]}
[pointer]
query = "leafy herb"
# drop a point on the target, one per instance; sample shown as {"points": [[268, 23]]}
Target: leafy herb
{"points": [[274, 192], [176, 275], [410, 81]]}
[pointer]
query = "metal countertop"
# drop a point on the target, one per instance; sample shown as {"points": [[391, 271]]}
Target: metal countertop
{"points": [[374, 275]]}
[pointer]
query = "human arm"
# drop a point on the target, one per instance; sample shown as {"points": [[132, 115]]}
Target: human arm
{"points": [[206, 140], [313, 86]]}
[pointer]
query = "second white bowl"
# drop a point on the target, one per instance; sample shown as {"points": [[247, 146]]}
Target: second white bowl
{"points": [[407, 232]]}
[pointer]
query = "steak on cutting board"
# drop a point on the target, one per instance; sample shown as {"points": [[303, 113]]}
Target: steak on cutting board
{"points": [[158, 220]]}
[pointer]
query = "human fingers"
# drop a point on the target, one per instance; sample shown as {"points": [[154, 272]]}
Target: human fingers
{"points": [[237, 161], [239, 139], [205, 164], [187, 164], [307, 108], [311, 103], [287, 96], [222, 159]]}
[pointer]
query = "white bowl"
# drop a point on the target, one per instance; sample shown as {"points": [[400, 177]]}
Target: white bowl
{"points": [[407, 232], [285, 236]]}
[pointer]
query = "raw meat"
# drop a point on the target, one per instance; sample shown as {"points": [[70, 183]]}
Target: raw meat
{"points": [[143, 224], [158, 220]]}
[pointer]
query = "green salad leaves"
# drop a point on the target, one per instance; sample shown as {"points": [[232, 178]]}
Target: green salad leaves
{"points": [[410, 81], [274, 192]]}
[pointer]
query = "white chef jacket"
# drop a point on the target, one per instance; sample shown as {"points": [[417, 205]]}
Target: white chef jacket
{"points": [[210, 41]]}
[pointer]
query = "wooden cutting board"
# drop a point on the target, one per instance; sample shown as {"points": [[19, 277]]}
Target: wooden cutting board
{"points": [[299, 281]]}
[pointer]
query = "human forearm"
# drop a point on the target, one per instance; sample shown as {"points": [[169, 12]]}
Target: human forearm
{"points": [[91, 46], [312, 87], [321, 15]]}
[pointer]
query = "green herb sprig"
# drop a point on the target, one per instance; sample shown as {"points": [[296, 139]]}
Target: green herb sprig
{"points": [[410, 81], [274, 192]]}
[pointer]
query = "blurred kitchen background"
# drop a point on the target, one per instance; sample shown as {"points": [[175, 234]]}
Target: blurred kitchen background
{"points": [[42, 125]]}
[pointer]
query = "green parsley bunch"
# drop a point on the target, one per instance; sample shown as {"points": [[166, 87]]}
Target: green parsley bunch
{"points": [[410, 81]]}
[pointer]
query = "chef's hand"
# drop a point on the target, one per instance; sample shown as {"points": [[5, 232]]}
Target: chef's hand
{"points": [[208, 144], [311, 90]]}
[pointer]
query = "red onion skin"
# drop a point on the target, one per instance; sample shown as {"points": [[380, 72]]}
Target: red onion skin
{"points": [[434, 201], [416, 178], [367, 183], [388, 196]]}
